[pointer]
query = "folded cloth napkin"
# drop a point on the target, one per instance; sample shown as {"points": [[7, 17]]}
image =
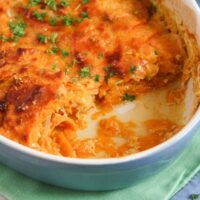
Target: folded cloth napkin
{"points": [[192, 189], [163, 186]]}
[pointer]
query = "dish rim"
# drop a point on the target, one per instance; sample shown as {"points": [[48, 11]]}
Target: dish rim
{"points": [[109, 161]]}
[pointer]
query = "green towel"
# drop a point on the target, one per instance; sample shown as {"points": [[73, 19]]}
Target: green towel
{"points": [[163, 186]]}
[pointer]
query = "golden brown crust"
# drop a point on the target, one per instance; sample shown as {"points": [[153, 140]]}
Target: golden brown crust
{"points": [[59, 61]]}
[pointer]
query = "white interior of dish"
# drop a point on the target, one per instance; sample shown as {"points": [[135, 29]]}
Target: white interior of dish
{"points": [[154, 105], [189, 13], [150, 106]]}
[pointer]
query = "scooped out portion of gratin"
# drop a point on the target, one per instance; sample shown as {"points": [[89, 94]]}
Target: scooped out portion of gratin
{"points": [[68, 64]]}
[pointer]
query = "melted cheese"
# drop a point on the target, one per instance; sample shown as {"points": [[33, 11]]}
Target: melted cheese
{"points": [[51, 76]]}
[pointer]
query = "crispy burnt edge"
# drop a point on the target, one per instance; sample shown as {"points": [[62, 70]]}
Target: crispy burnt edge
{"points": [[25, 98]]}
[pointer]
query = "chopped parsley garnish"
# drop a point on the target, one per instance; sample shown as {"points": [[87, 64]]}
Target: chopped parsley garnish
{"points": [[85, 1], [127, 97], [84, 15], [194, 196], [97, 78], [54, 50], [52, 21], [67, 71], [17, 28], [39, 16], [53, 37], [2, 38], [64, 3], [68, 20], [42, 38], [12, 39], [132, 69], [64, 53], [34, 2], [51, 4], [85, 72], [54, 66]]}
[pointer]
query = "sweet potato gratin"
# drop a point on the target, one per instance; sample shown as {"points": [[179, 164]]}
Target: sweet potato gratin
{"points": [[59, 59]]}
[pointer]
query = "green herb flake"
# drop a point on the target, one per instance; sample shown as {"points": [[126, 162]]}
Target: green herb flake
{"points": [[127, 97], [42, 38], [53, 21], [64, 53], [34, 2], [194, 196], [132, 69], [65, 3], [109, 71], [17, 28], [67, 71], [51, 4], [85, 1], [85, 72], [84, 15], [68, 20], [97, 78], [53, 50], [54, 66], [12, 39], [2, 38], [79, 20], [39, 16]]}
